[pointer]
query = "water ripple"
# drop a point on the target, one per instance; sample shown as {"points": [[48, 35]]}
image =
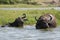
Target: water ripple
{"points": [[28, 33]]}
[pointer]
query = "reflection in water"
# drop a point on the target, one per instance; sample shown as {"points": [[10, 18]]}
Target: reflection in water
{"points": [[28, 33]]}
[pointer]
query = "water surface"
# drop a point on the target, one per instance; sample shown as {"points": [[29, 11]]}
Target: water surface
{"points": [[28, 33], [41, 8]]}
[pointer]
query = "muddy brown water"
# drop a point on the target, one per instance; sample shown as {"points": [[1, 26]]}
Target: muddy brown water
{"points": [[29, 32]]}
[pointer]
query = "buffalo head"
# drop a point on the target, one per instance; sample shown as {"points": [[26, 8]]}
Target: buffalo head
{"points": [[46, 21]]}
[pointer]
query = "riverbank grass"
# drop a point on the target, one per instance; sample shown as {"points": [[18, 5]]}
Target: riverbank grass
{"points": [[7, 16], [19, 6], [23, 6]]}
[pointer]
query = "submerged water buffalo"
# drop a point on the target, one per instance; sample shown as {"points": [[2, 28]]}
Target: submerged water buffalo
{"points": [[18, 21], [46, 21]]}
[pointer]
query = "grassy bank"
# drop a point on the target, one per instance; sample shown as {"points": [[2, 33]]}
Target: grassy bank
{"points": [[28, 3], [19, 6], [10, 15], [23, 6]]}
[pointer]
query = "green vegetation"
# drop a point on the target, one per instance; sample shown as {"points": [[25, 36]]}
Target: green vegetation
{"points": [[17, 1], [10, 15], [19, 6], [26, 3]]}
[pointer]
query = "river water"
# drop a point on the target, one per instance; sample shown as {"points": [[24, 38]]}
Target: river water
{"points": [[28, 33], [41, 8]]}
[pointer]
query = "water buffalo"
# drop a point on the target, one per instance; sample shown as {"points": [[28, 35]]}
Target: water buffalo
{"points": [[18, 21], [46, 21]]}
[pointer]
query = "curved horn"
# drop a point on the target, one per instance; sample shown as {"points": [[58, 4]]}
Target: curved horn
{"points": [[36, 18], [50, 17], [23, 16]]}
